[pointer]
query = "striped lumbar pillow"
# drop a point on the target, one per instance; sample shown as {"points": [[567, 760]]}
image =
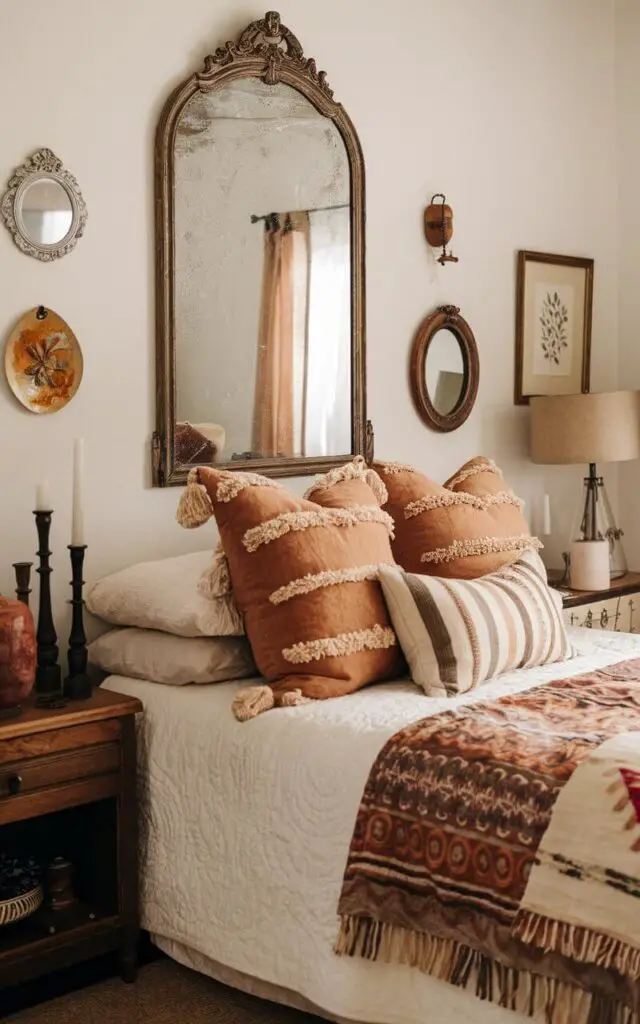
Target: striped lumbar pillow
{"points": [[457, 633], [304, 575]]}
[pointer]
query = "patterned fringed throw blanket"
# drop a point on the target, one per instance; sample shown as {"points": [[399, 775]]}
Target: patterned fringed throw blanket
{"points": [[497, 847]]}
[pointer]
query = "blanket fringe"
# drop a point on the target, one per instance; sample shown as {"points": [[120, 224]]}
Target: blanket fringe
{"points": [[451, 961], [578, 943]]}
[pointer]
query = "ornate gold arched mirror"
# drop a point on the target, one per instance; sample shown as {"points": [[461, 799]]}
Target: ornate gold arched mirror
{"points": [[444, 369], [260, 267]]}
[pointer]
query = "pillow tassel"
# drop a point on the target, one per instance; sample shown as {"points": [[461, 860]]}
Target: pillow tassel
{"points": [[194, 507], [251, 701], [215, 581], [292, 699]]}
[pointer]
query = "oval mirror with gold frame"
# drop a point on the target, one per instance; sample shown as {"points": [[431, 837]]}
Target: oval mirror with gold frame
{"points": [[260, 349], [444, 369]]}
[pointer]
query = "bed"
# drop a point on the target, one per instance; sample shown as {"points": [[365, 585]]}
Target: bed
{"points": [[246, 831]]}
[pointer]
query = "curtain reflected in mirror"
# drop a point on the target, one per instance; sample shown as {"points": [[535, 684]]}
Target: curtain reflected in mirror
{"points": [[303, 379], [263, 338]]}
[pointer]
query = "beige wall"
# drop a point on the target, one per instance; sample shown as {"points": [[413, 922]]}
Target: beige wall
{"points": [[628, 111], [507, 107]]}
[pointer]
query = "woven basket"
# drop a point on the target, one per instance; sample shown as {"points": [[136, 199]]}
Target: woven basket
{"points": [[20, 906]]}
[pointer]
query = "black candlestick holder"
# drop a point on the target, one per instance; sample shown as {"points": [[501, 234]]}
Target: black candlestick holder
{"points": [[77, 685], [48, 675], [23, 580]]}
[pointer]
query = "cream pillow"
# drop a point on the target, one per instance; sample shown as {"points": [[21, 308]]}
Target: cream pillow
{"points": [[457, 633], [164, 595], [176, 660]]}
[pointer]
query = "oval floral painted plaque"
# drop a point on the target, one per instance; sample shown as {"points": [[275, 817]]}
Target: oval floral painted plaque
{"points": [[43, 361]]}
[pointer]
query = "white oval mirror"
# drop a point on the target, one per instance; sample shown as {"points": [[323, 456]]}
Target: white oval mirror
{"points": [[43, 207], [46, 211]]}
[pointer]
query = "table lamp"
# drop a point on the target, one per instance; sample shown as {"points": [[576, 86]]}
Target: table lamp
{"points": [[601, 427]]}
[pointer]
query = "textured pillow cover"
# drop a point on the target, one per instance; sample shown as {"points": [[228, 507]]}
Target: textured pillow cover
{"points": [[457, 633], [304, 577], [174, 660], [164, 595], [468, 528]]}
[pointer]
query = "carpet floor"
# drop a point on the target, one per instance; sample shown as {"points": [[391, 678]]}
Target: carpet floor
{"points": [[165, 993]]}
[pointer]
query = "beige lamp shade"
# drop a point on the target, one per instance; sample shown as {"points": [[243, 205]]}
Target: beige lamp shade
{"points": [[601, 427]]}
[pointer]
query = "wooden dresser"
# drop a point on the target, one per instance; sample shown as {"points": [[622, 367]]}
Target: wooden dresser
{"points": [[68, 790], [617, 608]]}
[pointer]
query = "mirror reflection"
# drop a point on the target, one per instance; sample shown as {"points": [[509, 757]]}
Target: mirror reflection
{"points": [[262, 277], [444, 371], [46, 211]]}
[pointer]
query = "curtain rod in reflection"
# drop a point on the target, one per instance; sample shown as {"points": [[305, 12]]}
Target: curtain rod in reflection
{"points": [[319, 209]]}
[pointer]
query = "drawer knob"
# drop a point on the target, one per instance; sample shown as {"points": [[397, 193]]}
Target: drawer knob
{"points": [[15, 784]]}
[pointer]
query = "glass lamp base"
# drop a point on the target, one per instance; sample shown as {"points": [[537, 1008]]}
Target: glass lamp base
{"points": [[594, 521]]}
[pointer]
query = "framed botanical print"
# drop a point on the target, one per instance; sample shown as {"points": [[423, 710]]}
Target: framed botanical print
{"points": [[554, 299]]}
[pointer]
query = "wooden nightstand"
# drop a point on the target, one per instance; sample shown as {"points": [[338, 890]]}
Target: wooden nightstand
{"points": [[617, 608], [68, 789]]}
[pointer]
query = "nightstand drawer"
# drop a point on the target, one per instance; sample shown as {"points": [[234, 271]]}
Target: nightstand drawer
{"points": [[617, 608], [618, 614], [39, 744], [44, 772]]}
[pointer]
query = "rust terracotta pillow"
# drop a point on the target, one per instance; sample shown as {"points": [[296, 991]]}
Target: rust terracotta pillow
{"points": [[471, 526], [305, 578]]}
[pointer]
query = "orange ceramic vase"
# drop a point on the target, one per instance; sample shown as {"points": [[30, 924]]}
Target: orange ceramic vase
{"points": [[17, 655]]}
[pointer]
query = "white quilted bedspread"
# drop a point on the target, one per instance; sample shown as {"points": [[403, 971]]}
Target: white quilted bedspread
{"points": [[246, 830]]}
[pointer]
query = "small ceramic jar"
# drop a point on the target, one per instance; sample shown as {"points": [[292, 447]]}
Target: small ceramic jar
{"points": [[17, 655]]}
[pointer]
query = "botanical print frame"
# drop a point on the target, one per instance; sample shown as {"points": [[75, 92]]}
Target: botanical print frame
{"points": [[554, 300]]}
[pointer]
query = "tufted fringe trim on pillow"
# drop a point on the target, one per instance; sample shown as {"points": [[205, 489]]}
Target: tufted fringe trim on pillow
{"points": [[232, 484], [355, 470], [251, 701], [488, 466], [294, 522], [481, 546], [374, 639], [393, 468], [327, 578], [376, 484], [433, 501], [194, 508], [216, 579], [350, 471]]}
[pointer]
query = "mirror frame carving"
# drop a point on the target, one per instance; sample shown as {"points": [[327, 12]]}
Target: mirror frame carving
{"points": [[266, 49], [444, 317], [42, 164]]}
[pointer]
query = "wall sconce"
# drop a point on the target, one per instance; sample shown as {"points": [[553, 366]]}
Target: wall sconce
{"points": [[438, 227]]}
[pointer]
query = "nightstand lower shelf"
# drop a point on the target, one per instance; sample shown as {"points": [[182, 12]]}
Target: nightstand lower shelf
{"points": [[24, 945]]}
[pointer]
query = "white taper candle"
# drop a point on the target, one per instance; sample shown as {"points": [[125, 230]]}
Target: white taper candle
{"points": [[43, 501], [546, 516], [77, 512]]}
